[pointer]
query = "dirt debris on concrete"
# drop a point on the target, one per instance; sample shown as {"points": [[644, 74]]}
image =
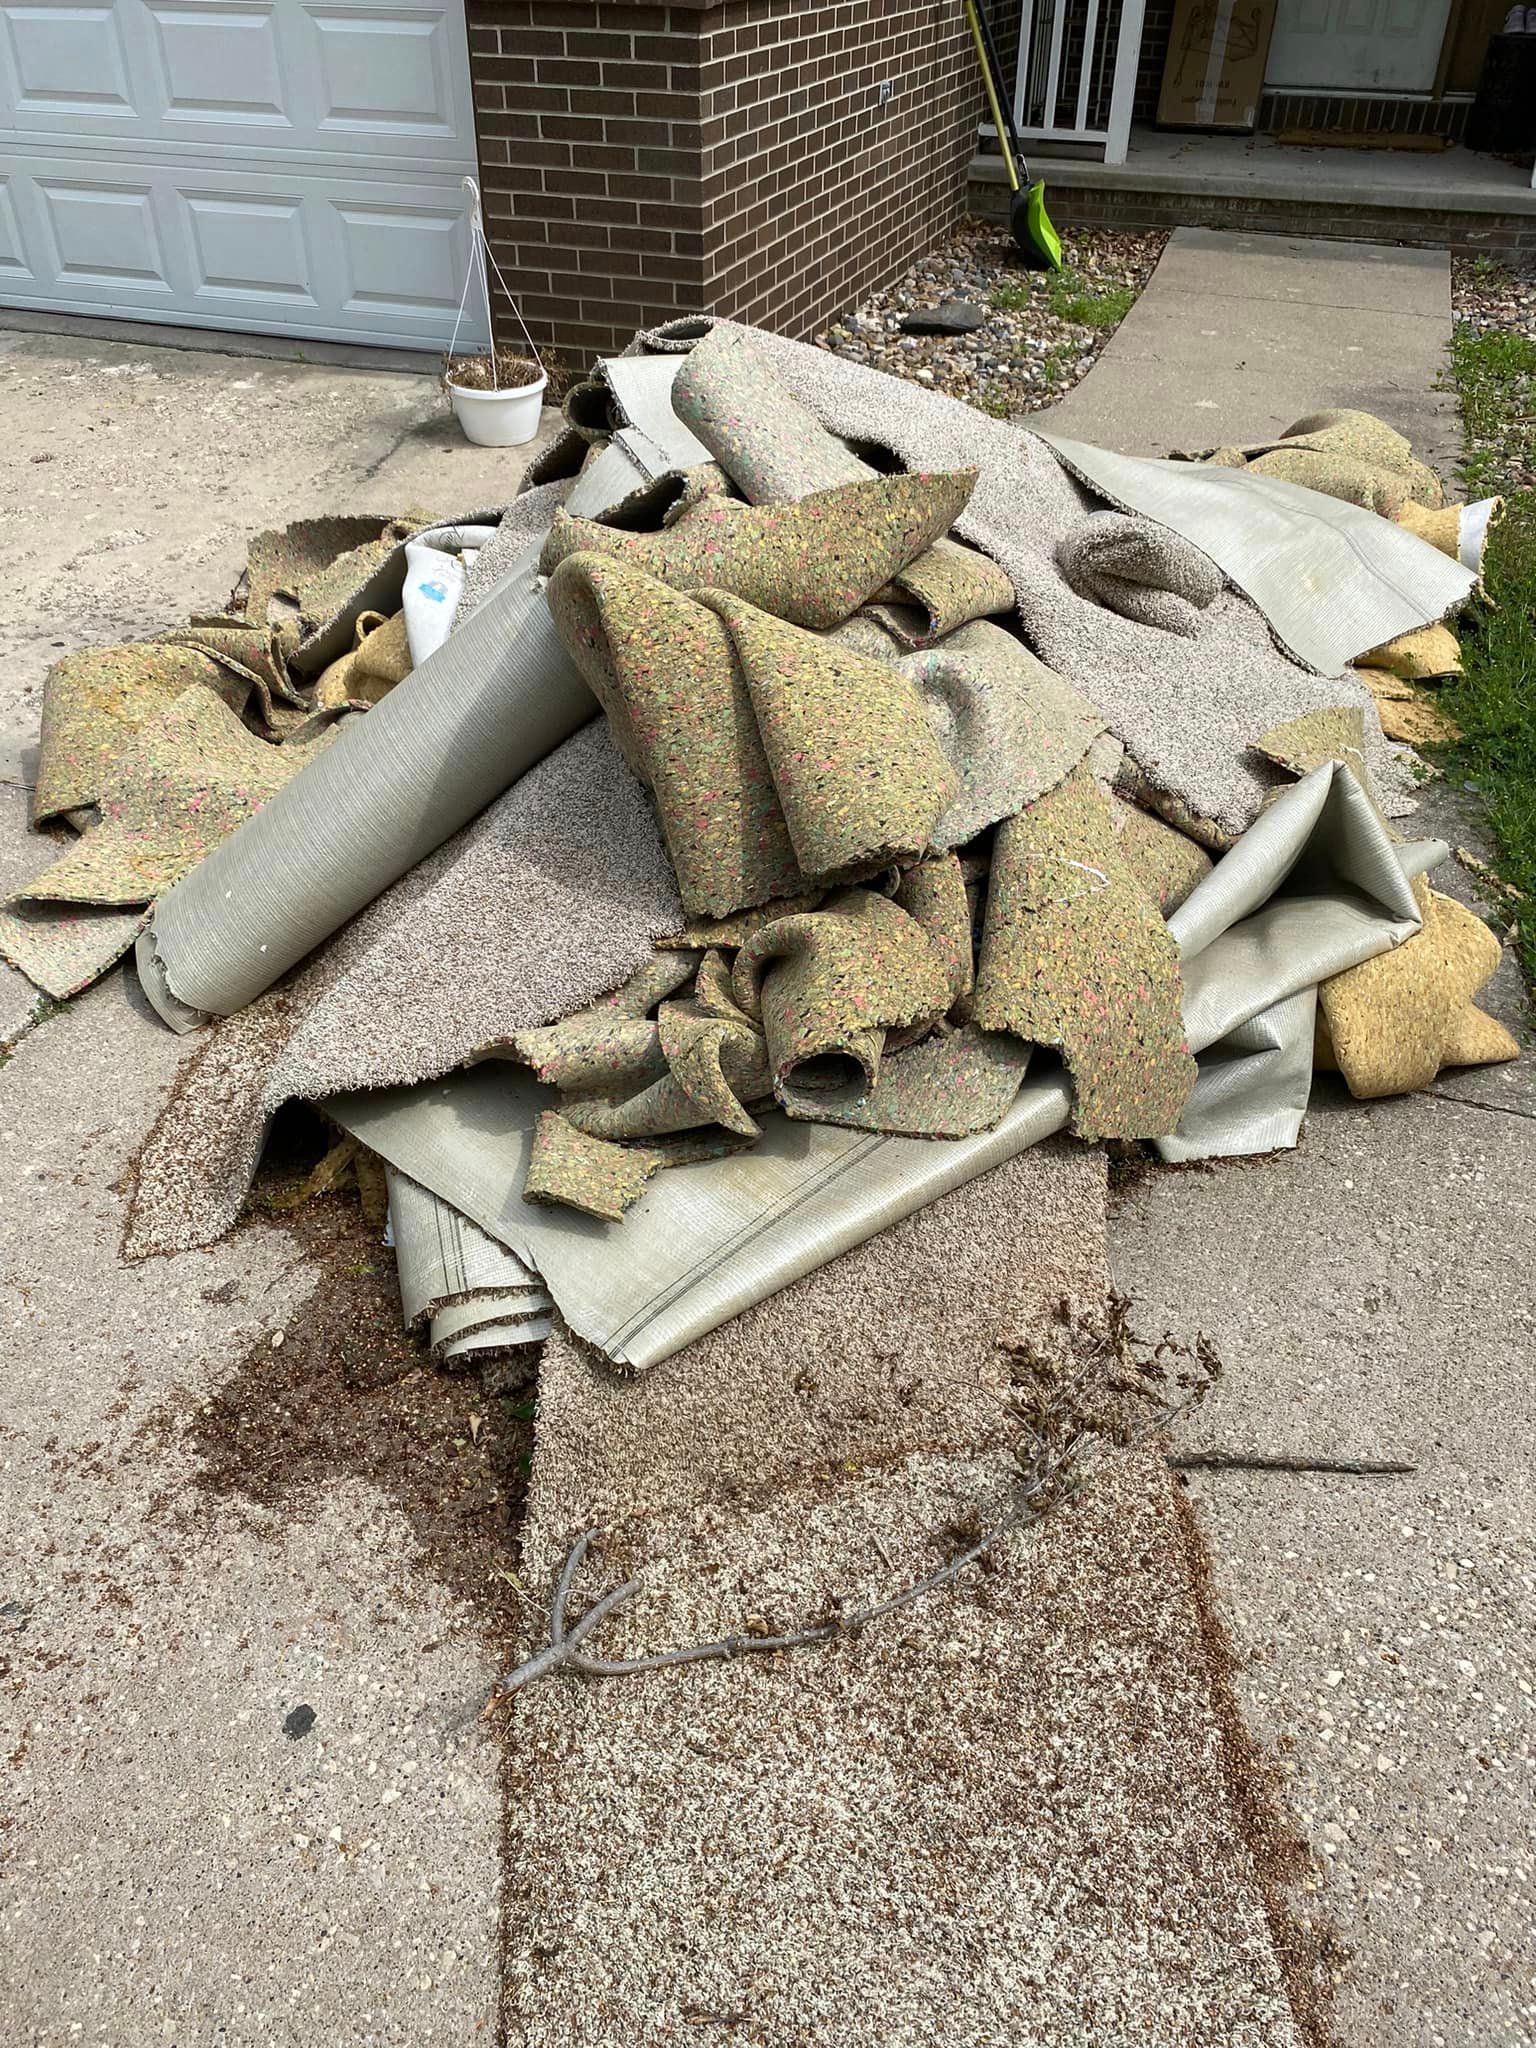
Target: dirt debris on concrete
{"points": [[1289, 1873], [1041, 333], [170, 1857], [344, 1391]]}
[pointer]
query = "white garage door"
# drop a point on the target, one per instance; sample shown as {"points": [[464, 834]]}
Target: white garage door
{"points": [[278, 166]]}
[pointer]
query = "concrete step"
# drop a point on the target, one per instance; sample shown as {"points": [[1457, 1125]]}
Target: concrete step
{"points": [[1448, 200]]}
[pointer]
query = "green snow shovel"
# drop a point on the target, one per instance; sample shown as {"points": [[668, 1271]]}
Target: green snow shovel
{"points": [[1030, 225]]}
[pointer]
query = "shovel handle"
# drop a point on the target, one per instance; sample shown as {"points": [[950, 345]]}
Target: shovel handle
{"points": [[993, 103]]}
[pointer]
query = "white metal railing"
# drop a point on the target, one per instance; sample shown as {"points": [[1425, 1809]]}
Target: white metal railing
{"points": [[1077, 72]]}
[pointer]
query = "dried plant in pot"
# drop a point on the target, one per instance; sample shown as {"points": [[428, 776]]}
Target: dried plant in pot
{"points": [[496, 397]]}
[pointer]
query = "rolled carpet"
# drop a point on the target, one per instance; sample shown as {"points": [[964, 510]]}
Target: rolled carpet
{"points": [[470, 1295], [1141, 570], [498, 696]]}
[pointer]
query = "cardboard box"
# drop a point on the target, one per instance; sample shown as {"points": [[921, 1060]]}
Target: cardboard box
{"points": [[1213, 74]]}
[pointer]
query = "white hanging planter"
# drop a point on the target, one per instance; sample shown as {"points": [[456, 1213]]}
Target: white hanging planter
{"points": [[503, 417], [491, 413]]}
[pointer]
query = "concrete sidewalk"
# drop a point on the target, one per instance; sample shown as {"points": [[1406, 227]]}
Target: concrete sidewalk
{"points": [[239, 1598], [1237, 336], [1369, 1292]]}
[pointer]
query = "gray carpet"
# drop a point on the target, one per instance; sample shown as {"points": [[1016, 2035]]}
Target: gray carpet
{"points": [[550, 898], [1187, 708]]}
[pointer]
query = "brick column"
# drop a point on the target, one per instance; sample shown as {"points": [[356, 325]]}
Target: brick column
{"points": [[747, 159]]}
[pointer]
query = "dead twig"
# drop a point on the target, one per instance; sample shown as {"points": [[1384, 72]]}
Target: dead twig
{"points": [[1220, 1461], [1063, 1416]]}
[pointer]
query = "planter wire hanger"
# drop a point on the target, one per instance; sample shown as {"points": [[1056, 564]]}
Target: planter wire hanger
{"points": [[481, 263]]}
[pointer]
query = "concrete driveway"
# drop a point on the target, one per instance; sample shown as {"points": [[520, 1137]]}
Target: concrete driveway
{"points": [[242, 1589]]}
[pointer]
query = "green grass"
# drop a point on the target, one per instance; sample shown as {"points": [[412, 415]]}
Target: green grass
{"points": [[1495, 705], [1070, 301], [1495, 702], [1070, 298], [1495, 378]]}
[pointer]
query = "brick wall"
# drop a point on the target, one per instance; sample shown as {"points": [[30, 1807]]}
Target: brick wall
{"points": [[1156, 30], [640, 161], [815, 191]]}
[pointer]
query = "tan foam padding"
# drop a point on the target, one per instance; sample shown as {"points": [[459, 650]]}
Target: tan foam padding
{"points": [[1074, 955], [184, 782], [813, 562], [1407, 713], [1440, 526], [1169, 865], [1390, 1024], [1419, 656]]}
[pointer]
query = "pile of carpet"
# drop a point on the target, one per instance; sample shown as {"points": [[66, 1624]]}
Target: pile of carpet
{"points": [[732, 893], [797, 750], [153, 752]]}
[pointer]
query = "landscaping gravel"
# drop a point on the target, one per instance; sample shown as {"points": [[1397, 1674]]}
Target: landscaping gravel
{"points": [[1041, 330], [1489, 295]]}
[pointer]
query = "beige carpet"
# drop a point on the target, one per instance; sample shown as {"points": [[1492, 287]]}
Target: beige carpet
{"points": [[999, 1816]]}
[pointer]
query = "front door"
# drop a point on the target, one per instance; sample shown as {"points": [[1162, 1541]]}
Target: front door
{"points": [[1365, 46]]}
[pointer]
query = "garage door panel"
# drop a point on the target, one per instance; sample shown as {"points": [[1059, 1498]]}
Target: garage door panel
{"points": [[250, 252], [14, 267], [219, 66], [67, 62], [328, 78], [383, 72], [375, 258], [104, 232], [406, 261]]}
